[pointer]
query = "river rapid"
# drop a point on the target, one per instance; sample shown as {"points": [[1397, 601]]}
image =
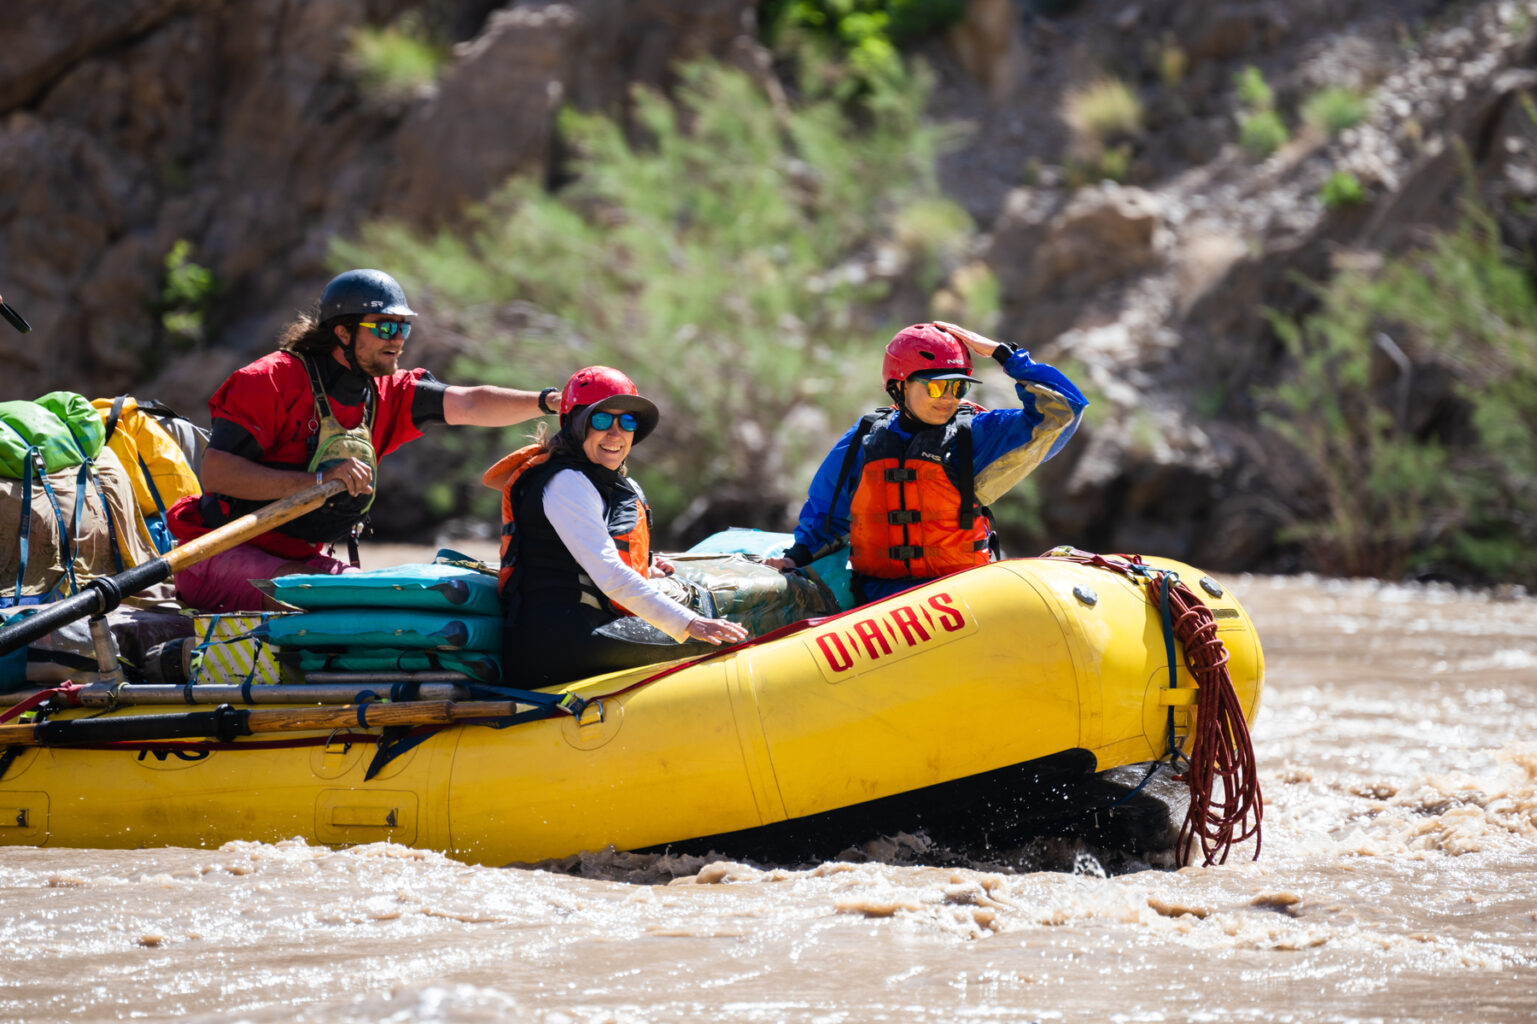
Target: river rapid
{"points": [[1397, 748]]}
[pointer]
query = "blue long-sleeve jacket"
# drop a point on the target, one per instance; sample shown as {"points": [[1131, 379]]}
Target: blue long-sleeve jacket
{"points": [[1007, 445]]}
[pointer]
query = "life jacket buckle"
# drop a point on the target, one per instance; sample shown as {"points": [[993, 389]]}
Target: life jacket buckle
{"points": [[901, 516], [906, 552], [900, 475]]}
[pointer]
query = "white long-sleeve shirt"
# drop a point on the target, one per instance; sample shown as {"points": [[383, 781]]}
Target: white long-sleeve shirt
{"points": [[575, 509]]}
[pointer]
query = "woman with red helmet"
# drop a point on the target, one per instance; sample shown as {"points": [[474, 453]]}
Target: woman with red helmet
{"points": [[909, 484], [577, 596]]}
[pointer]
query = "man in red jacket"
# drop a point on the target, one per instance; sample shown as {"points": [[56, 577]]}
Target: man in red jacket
{"points": [[326, 406]]}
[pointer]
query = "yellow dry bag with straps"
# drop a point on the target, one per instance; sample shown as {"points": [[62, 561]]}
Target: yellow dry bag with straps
{"points": [[156, 463], [334, 442]]}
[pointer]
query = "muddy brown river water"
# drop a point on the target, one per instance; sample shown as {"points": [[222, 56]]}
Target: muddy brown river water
{"points": [[1398, 882]]}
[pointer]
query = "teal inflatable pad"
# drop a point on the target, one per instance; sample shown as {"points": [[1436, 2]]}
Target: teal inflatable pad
{"points": [[739, 541], [352, 628], [481, 667], [435, 587]]}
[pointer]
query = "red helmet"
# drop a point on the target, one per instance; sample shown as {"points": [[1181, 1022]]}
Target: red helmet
{"points": [[595, 386], [925, 351]]}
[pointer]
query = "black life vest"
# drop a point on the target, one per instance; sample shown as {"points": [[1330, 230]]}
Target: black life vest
{"points": [[542, 569]]}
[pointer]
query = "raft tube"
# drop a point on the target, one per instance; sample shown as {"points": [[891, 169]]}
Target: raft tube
{"points": [[945, 695]]}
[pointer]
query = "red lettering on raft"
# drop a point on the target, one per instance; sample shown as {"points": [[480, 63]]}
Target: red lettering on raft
{"points": [[869, 631], [840, 662], [894, 634], [950, 619], [907, 621]]}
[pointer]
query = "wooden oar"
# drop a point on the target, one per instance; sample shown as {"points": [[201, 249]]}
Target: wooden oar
{"points": [[107, 592], [224, 723]]}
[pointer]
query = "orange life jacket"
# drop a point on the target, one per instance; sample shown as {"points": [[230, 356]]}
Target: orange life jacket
{"points": [[501, 476], [913, 512], [534, 560]]}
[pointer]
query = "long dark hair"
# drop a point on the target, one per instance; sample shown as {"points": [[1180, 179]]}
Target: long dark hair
{"points": [[310, 337]]}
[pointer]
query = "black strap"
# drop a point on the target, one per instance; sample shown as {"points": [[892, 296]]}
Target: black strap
{"points": [[7, 756], [24, 528], [967, 472], [112, 417], [106, 510], [157, 408], [866, 423], [317, 389], [323, 404], [154, 492], [149, 481], [66, 549]]}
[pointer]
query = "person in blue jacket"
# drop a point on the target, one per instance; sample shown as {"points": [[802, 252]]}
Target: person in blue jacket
{"points": [[909, 484]]}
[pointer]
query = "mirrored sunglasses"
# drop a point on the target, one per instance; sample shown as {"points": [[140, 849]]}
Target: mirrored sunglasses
{"points": [[940, 388], [387, 329], [604, 420]]}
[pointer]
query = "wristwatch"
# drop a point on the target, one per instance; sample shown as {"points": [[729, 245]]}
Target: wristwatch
{"points": [[543, 403]]}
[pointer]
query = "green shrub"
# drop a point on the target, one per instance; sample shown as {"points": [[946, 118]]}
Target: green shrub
{"points": [[972, 297], [1334, 109], [863, 35], [1262, 133], [1173, 63], [1389, 485], [1342, 189], [187, 292], [1101, 113], [901, 21], [1254, 93], [726, 264], [395, 62], [933, 233], [1112, 164]]}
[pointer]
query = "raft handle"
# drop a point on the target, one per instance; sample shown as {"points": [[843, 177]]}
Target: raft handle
{"points": [[583, 719]]}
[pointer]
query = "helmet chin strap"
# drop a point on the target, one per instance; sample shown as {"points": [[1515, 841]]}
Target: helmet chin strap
{"points": [[349, 351]]}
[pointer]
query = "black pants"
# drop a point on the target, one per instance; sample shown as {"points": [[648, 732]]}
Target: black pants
{"points": [[547, 644]]}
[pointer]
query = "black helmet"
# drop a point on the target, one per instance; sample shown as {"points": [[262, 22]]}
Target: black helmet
{"points": [[363, 293]]}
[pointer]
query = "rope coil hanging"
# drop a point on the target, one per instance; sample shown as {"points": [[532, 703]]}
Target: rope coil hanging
{"points": [[1221, 751]]}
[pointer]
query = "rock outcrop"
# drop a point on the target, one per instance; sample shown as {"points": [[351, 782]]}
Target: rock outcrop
{"points": [[1161, 291], [239, 126]]}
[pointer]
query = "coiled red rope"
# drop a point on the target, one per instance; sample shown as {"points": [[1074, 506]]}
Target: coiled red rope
{"points": [[1221, 752]]}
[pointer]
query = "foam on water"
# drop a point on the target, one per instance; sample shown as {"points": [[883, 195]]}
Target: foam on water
{"points": [[1397, 882]]}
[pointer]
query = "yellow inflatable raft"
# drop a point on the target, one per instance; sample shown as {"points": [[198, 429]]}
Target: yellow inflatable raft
{"points": [[961, 702]]}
